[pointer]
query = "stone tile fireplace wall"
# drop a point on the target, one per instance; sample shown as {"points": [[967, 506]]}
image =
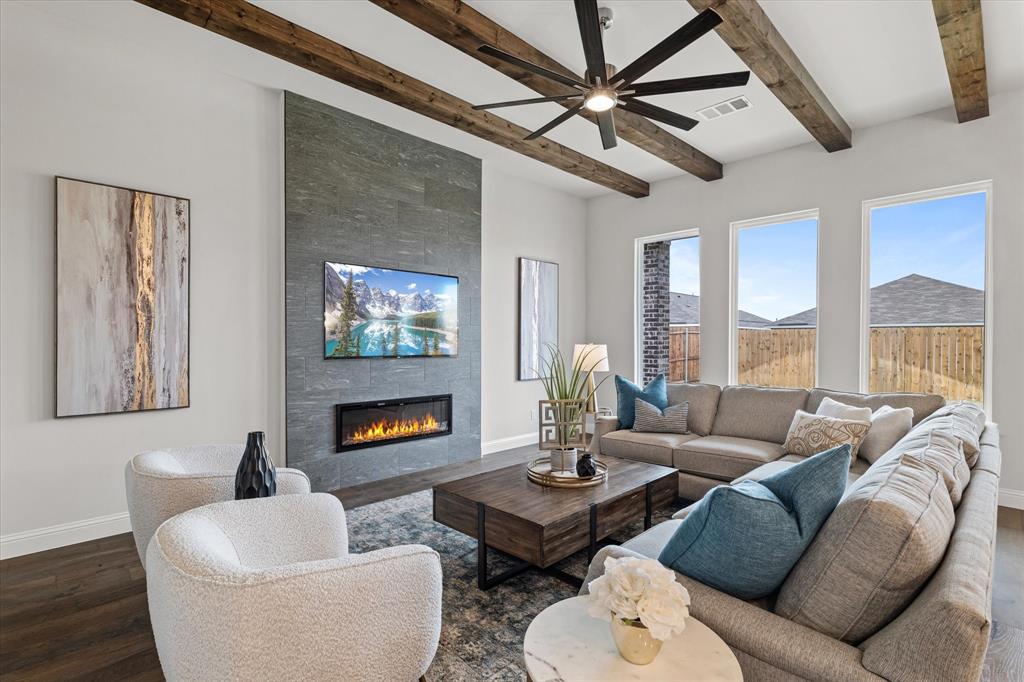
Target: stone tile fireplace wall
{"points": [[363, 193]]}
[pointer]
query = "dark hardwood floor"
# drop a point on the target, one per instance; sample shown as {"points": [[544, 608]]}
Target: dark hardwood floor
{"points": [[80, 612]]}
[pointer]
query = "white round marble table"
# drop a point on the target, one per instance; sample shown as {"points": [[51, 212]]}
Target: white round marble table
{"points": [[564, 643]]}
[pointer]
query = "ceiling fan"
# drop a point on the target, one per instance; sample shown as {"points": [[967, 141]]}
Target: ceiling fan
{"points": [[606, 88]]}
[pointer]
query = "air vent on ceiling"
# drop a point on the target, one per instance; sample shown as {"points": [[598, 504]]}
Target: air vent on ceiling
{"points": [[730, 106]]}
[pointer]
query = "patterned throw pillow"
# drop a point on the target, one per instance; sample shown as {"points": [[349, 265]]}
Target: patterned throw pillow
{"points": [[650, 419], [810, 434]]}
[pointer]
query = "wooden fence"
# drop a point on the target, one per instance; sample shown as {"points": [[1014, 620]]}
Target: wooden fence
{"points": [[949, 361], [777, 357], [684, 353], [945, 360]]}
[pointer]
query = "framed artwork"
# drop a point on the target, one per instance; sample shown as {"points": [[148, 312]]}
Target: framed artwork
{"points": [[383, 313], [122, 314], [538, 315]]}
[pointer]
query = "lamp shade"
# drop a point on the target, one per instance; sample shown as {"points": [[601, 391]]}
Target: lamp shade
{"points": [[594, 357]]}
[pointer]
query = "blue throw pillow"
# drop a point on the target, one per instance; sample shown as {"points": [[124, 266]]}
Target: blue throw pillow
{"points": [[744, 539], [655, 392]]}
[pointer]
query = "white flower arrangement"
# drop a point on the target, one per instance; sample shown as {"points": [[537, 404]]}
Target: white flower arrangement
{"points": [[640, 593]]}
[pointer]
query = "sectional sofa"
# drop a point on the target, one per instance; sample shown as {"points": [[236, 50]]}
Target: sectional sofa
{"points": [[736, 430], [897, 583]]}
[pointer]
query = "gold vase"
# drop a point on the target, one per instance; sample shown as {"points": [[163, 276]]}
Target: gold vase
{"points": [[634, 642]]}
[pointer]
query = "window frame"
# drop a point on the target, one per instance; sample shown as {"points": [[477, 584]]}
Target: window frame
{"points": [[865, 275], [734, 251], [638, 291]]}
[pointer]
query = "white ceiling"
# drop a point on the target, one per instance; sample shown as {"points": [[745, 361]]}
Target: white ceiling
{"points": [[877, 60]]}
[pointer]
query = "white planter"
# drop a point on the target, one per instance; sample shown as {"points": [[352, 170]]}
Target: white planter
{"points": [[563, 460]]}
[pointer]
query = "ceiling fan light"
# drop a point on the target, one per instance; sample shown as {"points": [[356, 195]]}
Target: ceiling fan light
{"points": [[600, 100]]}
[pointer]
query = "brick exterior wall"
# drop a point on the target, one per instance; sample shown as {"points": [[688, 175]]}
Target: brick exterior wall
{"points": [[656, 309]]}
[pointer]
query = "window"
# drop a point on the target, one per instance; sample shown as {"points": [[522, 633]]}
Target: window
{"points": [[684, 309], [668, 306], [924, 310], [774, 299]]}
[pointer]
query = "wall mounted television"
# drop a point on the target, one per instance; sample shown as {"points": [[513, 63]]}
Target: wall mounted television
{"points": [[380, 313]]}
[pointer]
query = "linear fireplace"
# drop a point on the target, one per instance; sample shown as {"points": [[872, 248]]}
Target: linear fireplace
{"points": [[365, 425]]}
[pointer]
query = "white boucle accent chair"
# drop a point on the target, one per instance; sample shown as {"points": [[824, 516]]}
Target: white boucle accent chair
{"points": [[265, 589], [163, 483]]}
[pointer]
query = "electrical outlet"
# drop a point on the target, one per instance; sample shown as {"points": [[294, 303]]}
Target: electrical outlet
{"points": [[533, 415]]}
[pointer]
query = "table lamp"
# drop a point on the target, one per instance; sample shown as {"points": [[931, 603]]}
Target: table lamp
{"points": [[592, 357]]}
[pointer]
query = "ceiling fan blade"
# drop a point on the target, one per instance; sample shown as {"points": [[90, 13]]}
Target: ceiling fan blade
{"points": [[534, 100], [718, 80], [523, 64], [569, 113], [606, 122], [590, 33], [686, 34], [658, 114]]}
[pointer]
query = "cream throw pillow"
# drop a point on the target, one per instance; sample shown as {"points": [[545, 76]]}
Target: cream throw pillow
{"points": [[834, 408], [888, 426], [810, 434]]}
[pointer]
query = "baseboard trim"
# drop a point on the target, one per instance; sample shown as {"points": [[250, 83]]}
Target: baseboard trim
{"points": [[51, 537], [1011, 498], [492, 446]]}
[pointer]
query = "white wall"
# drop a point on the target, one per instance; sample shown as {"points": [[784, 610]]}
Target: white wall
{"points": [[72, 103], [523, 219], [918, 153]]}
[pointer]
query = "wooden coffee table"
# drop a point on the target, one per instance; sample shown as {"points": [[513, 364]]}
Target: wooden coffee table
{"points": [[540, 526]]}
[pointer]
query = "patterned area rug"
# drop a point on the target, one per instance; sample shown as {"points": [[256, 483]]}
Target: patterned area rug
{"points": [[482, 632]]}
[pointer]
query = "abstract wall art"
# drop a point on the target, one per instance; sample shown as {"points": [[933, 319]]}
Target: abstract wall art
{"points": [[538, 315], [122, 300]]}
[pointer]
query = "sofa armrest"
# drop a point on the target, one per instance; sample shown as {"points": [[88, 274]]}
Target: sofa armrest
{"points": [[768, 639], [603, 424]]}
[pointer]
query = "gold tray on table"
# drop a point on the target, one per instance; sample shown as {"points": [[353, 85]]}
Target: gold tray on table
{"points": [[539, 472]]}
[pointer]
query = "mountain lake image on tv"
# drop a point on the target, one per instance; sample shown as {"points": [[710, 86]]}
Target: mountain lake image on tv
{"points": [[378, 312]]}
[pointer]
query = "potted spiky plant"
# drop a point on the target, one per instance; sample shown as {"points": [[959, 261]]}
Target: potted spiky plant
{"points": [[563, 414]]}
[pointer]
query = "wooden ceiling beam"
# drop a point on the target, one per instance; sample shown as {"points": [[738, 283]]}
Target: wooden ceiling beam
{"points": [[755, 40], [963, 48], [256, 27], [466, 29]]}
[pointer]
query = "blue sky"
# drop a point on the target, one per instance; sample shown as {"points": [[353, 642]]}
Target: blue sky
{"points": [[777, 268], [684, 266], [400, 281], [942, 238]]}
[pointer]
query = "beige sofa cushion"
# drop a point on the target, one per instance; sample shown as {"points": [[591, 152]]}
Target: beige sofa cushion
{"points": [[724, 457], [874, 553], [966, 421], [756, 412], [703, 399], [923, 404], [653, 448], [857, 469], [944, 632], [941, 451]]}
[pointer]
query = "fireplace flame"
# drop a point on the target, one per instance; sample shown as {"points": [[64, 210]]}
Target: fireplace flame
{"points": [[385, 429]]}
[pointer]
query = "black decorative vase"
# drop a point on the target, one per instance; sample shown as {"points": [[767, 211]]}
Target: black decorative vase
{"points": [[256, 476], [585, 466]]}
